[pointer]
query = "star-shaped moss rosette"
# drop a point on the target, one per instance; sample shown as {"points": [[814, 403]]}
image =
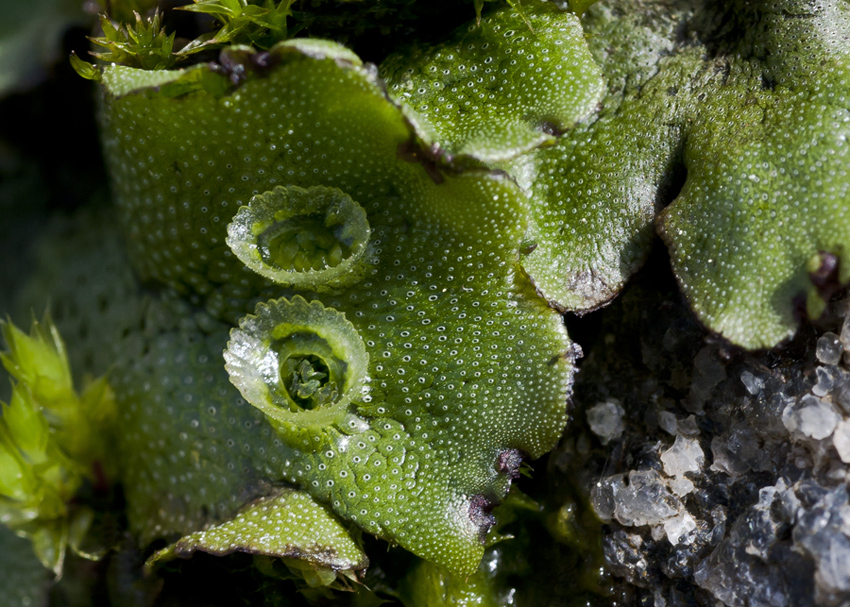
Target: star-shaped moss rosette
{"points": [[465, 368], [764, 216]]}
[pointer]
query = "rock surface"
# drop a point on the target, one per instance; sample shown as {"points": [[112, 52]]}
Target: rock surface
{"points": [[729, 481]]}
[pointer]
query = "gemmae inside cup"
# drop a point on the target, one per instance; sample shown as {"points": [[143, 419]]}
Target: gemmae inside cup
{"points": [[300, 363], [311, 238]]}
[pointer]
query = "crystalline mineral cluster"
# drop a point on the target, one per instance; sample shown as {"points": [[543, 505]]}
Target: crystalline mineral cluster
{"points": [[746, 500]]}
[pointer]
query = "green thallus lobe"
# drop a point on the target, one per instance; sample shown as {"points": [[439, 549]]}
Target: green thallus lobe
{"points": [[287, 523], [438, 403], [407, 434]]}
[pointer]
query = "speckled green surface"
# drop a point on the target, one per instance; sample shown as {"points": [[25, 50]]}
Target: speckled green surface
{"points": [[287, 523], [483, 221], [596, 192], [500, 88], [415, 457], [768, 188], [192, 451]]}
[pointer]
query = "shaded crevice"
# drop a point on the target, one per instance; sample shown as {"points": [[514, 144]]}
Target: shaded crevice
{"points": [[674, 179]]}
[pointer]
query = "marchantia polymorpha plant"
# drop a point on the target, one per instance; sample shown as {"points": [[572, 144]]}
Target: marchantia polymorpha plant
{"points": [[383, 254]]}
